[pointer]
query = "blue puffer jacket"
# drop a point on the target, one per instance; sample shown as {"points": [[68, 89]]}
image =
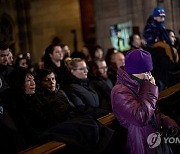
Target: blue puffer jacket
{"points": [[133, 105]]}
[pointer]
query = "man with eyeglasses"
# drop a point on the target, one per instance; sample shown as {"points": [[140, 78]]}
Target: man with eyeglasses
{"points": [[101, 83]]}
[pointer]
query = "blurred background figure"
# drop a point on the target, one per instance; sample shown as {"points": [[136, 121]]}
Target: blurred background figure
{"points": [[53, 58], [109, 53], [117, 60], [154, 30], [136, 42], [21, 61], [86, 52], [173, 40], [24, 60], [98, 52], [66, 51]]}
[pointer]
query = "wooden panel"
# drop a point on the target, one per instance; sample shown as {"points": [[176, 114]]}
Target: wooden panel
{"points": [[87, 21]]}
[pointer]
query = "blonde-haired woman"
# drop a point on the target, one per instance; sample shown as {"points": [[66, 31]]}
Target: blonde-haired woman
{"points": [[77, 88]]}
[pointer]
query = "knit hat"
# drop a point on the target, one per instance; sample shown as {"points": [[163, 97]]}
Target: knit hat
{"points": [[159, 12], [138, 61]]}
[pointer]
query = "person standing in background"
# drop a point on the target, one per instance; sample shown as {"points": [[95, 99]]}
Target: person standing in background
{"points": [[154, 30]]}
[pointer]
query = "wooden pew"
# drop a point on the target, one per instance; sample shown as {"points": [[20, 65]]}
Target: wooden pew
{"points": [[169, 92], [168, 102], [107, 120], [47, 148]]}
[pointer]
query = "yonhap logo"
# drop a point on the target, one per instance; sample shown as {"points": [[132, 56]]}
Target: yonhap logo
{"points": [[154, 139]]}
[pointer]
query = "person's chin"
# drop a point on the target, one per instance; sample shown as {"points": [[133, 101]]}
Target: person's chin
{"points": [[104, 76], [31, 93], [53, 89]]}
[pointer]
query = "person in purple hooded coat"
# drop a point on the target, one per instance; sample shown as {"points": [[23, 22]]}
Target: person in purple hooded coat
{"points": [[134, 99]]}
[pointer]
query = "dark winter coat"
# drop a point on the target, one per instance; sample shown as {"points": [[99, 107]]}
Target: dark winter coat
{"points": [[103, 88], [59, 106], [11, 141], [4, 77], [112, 74], [30, 115], [83, 97], [165, 71], [81, 135]]}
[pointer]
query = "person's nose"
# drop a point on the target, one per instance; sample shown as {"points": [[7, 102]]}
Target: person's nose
{"points": [[86, 70], [6, 58], [33, 83]]}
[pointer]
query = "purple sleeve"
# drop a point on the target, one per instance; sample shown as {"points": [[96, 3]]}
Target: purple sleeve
{"points": [[136, 110]]}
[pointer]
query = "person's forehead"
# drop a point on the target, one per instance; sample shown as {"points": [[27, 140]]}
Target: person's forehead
{"points": [[50, 75], [4, 51], [136, 37], [29, 75], [119, 56], [81, 63], [57, 48], [172, 34], [65, 47], [99, 50], [23, 61], [160, 17], [101, 63]]}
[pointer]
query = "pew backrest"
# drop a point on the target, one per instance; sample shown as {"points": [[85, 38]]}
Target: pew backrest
{"points": [[47, 148]]}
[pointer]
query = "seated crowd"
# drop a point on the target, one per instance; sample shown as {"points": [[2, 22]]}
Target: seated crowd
{"points": [[62, 97]]}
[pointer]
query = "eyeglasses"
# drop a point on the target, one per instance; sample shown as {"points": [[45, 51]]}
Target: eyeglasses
{"points": [[82, 69]]}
